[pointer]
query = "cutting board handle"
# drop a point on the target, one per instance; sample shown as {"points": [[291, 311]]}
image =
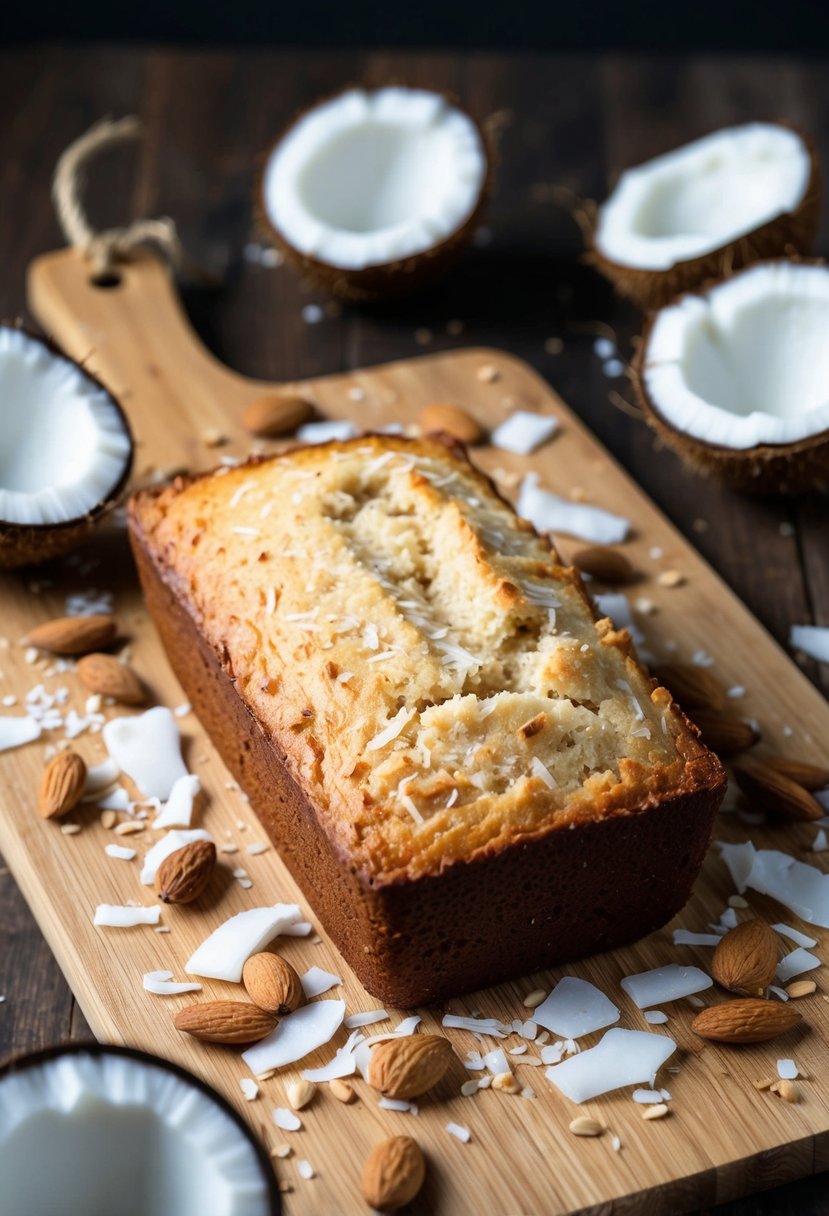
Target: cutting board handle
{"points": [[135, 336]]}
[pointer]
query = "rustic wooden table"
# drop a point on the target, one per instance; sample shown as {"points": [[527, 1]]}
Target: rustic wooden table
{"points": [[569, 122]]}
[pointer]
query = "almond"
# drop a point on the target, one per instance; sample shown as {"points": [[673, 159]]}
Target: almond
{"points": [[724, 735], [407, 1067], [746, 958], [61, 785], [506, 1082], [811, 776], [104, 674], [606, 564], [272, 983], [72, 635], [225, 1022], [341, 1090], [453, 420], [585, 1126], [771, 791], [276, 415], [183, 875], [300, 1093], [393, 1173], [693, 687], [748, 1020], [801, 988]]}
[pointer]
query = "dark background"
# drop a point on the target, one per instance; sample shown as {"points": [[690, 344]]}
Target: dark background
{"points": [[678, 25]]}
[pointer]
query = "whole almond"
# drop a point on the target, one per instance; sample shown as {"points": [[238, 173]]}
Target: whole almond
{"points": [[61, 785], [407, 1067], [811, 776], [272, 983], [183, 875], [606, 564], [393, 1173], [225, 1022], [275, 415], [746, 958], [747, 1020], [453, 420], [72, 635], [772, 791], [724, 735], [104, 674], [694, 687]]}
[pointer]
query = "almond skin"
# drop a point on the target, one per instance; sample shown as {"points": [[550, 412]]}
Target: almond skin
{"points": [[272, 983], [61, 785], [393, 1173], [225, 1022], [725, 736], [746, 958], [104, 674], [748, 1020], [604, 563], [811, 776], [274, 415], [183, 875], [774, 792], [693, 687], [453, 420], [407, 1067], [71, 635]]}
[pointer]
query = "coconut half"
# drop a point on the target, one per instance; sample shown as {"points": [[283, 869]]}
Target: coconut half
{"points": [[372, 193], [736, 379], [65, 449], [93, 1129], [716, 205]]}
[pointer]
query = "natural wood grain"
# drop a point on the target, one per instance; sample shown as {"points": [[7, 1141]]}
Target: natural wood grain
{"points": [[723, 1138]]}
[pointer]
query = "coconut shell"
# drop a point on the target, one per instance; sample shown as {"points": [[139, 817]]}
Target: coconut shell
{"points": [[384, 280], [30, 544], [800, 467], [791, 232]]}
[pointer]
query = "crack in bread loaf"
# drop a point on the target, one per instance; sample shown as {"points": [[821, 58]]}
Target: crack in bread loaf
{"points": [[433, 678]]}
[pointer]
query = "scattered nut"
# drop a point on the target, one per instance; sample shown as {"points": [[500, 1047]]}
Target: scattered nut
{"points": [[300, 1093], [272, 983], [408, 1067], [787, 1090], [453, 420], [62, 784], [506, 1082], [108, 819], [535, 998], [670, 578], [225, 1022], [109, 677], [585, 1126], [658, 1111], [74, 635], [393, 1173], [801, 988], [183, 876], [341, 1090]]}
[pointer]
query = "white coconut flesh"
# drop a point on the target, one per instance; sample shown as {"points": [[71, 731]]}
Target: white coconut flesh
{"points": [[746, 363], [369, 178], [114, 1135], [64, 445], [703, 196]]}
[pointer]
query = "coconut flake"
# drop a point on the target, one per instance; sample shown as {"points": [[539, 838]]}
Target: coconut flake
{"points": [[315, 981], [223, 954], [177, 811], [148, 749], [813, 640], [523, 432], [496, 1062], [490, 1026], [297, 1034], [160, 983], [116, 916], [739, 858], [549, 513], [663, 984], [459, 1132], [399, 1104], [286, 1119], [684, 937], [820, 844], [118, 850], [647, 1096], [392, 730], [305, 1169], [796, 963], [803, 889], [15, 731], [100, 777], [366, 1019], [325, 432], [620, 1058], [116, 800], [794, 935], [344, 1063], [655, 1017], [575, 1008], [249, 1088], [162, 849]]}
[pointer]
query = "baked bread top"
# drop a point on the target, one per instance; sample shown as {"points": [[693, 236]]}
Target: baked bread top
{"points": [[434, 678]]}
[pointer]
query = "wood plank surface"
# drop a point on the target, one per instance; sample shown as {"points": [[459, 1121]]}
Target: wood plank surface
{"points": [[721, 1131], [566, 120]]}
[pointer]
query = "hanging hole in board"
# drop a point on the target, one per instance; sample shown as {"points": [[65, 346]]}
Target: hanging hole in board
{"points": [[106, 279]]}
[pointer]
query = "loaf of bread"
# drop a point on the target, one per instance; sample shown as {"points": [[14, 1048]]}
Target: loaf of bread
{"points": [[469, 775]]}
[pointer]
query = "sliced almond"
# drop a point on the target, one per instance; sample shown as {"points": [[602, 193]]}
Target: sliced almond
{"points": [[801, 988], [748, 1020], [225, 1022], [774, 792], [657, 1111], [604, 563], [585, 1126], [72, 635], [273, 414], [787, 1090], [109, 677], [341, 1090], [61, 785], [129, 827], [535, 998], [724, 735], [108, 819], [453, 421], [694, 687], [746, 958]]}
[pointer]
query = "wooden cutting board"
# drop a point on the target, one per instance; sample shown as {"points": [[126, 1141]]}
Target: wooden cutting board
{"points": [[723, 1138]]}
